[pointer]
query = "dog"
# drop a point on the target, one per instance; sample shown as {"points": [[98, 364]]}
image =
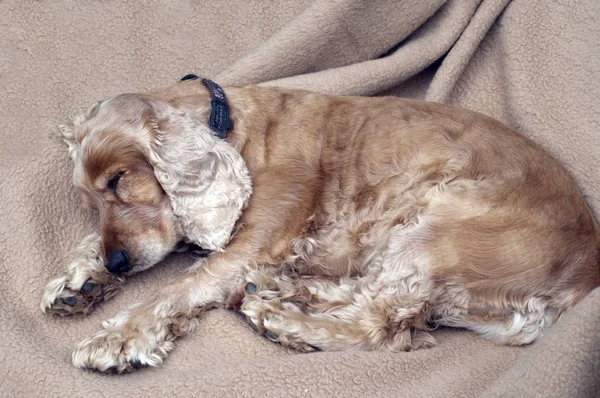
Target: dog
{"points": [[333, 223]]}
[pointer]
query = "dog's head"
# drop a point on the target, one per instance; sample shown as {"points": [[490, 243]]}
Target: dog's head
{"points": [[157, 176]]}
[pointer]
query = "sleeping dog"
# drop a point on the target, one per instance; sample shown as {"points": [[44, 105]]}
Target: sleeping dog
{"points": [[334, 223]]}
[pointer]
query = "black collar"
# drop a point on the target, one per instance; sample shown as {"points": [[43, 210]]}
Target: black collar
{"points": [[220, 122]]}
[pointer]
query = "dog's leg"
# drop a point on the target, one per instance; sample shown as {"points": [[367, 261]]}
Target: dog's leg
{"points": [[385, 309], [511, 326], [85, 282], [144, 334], [286, 311], [336, 318]]}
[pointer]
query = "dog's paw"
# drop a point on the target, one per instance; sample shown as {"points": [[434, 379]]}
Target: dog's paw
{"points": [[280, 322], [63, 297], [120, 349], [85, 282]]}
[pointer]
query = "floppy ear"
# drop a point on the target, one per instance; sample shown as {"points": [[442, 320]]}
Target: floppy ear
{"points": [[66, 131], [206, 179]]}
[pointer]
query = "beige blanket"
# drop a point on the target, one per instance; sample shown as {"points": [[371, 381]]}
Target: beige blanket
{"points": [[533, 63]]}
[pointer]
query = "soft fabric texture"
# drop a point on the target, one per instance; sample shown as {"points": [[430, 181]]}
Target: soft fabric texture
{"points": [[533, 64]]}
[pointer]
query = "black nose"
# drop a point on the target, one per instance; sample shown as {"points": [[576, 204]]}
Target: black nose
{"points": [[118, 262]]}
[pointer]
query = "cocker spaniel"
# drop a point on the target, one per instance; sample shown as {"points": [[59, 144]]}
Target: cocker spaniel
{"points": [[334, 223]]}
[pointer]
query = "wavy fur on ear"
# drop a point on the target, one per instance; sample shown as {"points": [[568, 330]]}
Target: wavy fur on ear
{"points": [[206, 179], [66, 131]]}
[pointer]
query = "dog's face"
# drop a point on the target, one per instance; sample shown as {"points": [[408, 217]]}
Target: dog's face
{"points": [[113, 174], [157, 177]]}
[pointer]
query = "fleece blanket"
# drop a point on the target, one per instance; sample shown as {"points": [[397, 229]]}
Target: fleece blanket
{"points": [[534, 64]]}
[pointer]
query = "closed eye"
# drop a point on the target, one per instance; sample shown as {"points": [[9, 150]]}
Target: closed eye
{"points": [[112, 184]]}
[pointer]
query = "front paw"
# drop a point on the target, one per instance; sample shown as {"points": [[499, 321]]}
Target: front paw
{"points": [[85, 282], [121, 349], [66, 297]]}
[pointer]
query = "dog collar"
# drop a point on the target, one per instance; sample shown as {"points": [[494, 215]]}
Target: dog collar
{"points": [[220, 122]]}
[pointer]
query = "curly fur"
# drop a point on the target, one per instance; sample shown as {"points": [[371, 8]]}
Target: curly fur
{"points": [[336, 223], [207, 181]]}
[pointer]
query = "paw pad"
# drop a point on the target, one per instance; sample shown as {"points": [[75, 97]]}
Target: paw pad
{"points": [[88, 287], [72, 301], [251, 288], [271, 336], [137, 364]]}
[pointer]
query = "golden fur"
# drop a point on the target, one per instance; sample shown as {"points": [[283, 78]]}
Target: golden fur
{"points": [[335, 222]]}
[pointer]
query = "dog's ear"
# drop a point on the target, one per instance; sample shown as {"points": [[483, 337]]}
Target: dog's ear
{"points": [[66, 131], [206, 179]]}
